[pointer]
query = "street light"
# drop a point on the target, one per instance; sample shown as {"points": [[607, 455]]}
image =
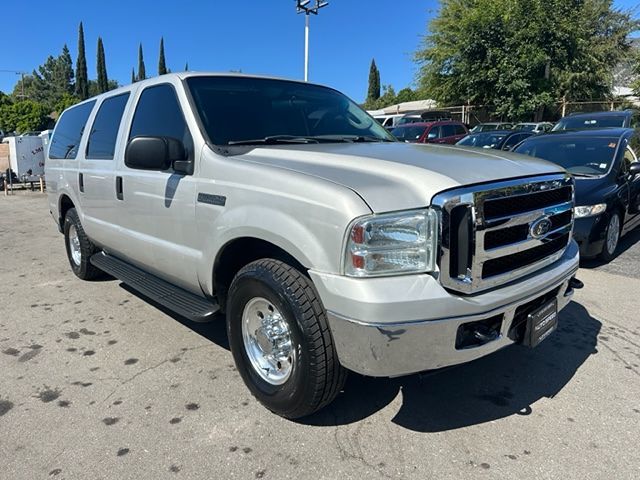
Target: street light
{"points": [[302, 6]]}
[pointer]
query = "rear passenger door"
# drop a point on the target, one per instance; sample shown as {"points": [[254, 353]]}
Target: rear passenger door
{"points": [[97, 170], [448, 134], [156, 208]]}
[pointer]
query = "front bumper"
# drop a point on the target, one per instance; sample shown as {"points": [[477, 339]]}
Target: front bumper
{"points": [[590, 233], [387, 327]]}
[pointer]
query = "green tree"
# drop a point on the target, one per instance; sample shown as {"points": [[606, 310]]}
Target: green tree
{"points": [[103, 81], [65, 102], [95, 90], [49, 82], [518, 57], [142, 74], [373, 93], [23, 116], [133, 75], [162, 67], [82, 79], [407, 95], [186, 67]]}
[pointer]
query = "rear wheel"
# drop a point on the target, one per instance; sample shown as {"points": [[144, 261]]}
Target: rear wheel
{"points": [[612, 238], [280, 339], [79, 247]]}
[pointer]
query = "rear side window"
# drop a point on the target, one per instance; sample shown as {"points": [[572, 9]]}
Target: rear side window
{"points": [[104, 132], [447, 131], [68, 133], [158, 114], [460, 130]]}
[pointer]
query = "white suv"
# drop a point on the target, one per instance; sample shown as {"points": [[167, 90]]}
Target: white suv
{"points": [[328, 245]]}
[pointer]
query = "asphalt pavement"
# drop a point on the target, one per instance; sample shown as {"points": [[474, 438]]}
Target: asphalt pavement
{"points": [[97, 382]]}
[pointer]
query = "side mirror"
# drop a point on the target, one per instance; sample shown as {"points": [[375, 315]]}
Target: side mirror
{"points": [[157, 153], [634, 169]]}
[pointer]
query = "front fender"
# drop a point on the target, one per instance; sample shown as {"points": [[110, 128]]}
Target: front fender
{"points": [[318, 247]]}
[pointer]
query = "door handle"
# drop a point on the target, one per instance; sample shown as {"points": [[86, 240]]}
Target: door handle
{"points": [[81, 182], [119, 194]]}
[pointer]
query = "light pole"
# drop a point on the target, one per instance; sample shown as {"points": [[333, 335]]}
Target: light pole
{"points": [[302, 6], [22, 74]]}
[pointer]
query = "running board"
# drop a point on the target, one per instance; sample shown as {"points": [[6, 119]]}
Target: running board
{"points": [[186, 304]]}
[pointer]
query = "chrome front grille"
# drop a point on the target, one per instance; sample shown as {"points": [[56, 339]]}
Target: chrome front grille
{"points": [[493, 234]]}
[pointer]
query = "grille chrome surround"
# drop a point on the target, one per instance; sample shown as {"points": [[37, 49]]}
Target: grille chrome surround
{"points": [[468, 278]]}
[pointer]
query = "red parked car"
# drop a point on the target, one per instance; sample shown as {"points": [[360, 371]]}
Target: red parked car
{"points": [[445, 131]]}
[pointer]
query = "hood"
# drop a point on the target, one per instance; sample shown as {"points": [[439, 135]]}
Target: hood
{"points": [[398, 176], [591, 191]]}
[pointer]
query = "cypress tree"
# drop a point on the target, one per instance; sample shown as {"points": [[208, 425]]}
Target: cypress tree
{"points": [[374, 82], [133, 75], [142, 74], [103, 81], [162, 67], [186, 67], [82, 81]]}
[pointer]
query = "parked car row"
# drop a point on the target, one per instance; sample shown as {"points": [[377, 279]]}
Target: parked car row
{"points": [[601, 150]]}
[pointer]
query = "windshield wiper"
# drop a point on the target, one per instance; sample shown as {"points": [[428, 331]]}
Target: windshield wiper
{"points": [[274, 140], [350, 138]]}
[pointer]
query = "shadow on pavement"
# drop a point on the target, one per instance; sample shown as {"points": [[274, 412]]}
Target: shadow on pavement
{"points": [[214, 331], [506, 383]]}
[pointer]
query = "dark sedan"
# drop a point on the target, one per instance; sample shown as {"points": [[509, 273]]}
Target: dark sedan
{"points": [[597, 120], [606, 167], [497, 139]]}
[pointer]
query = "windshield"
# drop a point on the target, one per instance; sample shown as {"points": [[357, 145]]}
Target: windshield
{"points": [[243, 110], [578, 155], [408, 134], [527, 127], [581, 122], [484, 140]]}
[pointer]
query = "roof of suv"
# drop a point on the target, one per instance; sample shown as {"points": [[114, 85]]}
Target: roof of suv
{"points": [[602, 114], [429, 124]]}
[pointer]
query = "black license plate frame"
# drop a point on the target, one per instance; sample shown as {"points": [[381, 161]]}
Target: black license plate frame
{"points": [[541, 323]]}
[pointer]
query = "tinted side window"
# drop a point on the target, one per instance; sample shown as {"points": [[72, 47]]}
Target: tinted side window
{"points": [[513, 140], [447, 131], [158, 114], [69, 130], [104, 132], [460, 130]]}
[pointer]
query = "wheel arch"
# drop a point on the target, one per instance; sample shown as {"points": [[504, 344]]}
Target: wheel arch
{"points": [[239, 252]]}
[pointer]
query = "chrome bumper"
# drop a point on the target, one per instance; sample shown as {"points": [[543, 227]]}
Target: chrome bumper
{"points": [[389, 348]]}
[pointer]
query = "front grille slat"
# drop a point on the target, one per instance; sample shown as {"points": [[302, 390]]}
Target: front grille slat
{"points": [[502, 241], [503, 207], [500, 265]]}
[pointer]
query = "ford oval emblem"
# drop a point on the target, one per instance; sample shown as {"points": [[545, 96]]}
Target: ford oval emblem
{"points": [[540, 227]]}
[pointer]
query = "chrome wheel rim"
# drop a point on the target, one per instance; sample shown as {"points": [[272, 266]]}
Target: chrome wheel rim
{"points": [[74, 245], [267, 341], [613, 234]]}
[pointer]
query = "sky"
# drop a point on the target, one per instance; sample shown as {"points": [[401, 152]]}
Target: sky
{"points": [[255, 36]]}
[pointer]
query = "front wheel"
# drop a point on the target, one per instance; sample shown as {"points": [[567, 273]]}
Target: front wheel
{"points": [[280, 339], [79, 247], [612, 238]]}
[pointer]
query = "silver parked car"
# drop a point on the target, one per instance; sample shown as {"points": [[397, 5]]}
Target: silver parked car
{"points": [[328, 245]]}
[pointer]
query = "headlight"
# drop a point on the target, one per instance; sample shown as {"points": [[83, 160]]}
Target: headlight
{"points": [[392, 243], [589, 210]]}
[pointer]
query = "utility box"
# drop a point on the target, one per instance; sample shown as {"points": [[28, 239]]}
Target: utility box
{"points": [[26, 153]]}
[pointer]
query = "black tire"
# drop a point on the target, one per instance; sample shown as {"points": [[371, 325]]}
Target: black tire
{"points": [[316, 375], [84, 269], [607, 255]]}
